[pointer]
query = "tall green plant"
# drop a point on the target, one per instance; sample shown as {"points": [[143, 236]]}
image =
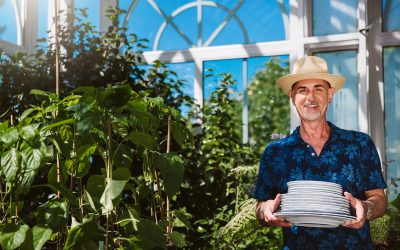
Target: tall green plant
{"points": [[218, 166], [116, 138]]}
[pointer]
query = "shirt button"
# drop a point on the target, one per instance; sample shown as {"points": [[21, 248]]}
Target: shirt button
{"points": [[308, 145], [312, 154]]}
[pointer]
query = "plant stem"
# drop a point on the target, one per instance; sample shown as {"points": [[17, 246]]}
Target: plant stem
{"points": [[109, 176], [169, 227], [159, 195], [58, 173]]}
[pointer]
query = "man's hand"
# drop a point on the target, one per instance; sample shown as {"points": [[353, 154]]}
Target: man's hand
{"points": [[265, 210], [360, 211]]}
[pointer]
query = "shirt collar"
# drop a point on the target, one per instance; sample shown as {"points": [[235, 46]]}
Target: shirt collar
{"points": [[295, 137]]}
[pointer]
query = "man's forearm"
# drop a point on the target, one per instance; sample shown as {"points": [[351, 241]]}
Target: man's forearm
{"points": [[375, 206]]}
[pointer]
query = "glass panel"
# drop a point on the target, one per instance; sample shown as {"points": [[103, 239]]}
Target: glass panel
{"points": [[185, 72], [268, 106], [334, 16], [391, 84], [343, 111], [223, 22], [264, 109], [43, 18], [232, 66], [93, 11], [210, 83], [391, 17], [8, 21]]}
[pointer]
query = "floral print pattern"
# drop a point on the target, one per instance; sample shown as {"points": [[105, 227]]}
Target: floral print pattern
{"points": [[348, 158]]}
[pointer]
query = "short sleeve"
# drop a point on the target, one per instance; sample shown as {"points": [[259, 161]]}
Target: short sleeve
{"points": [[372, 166], [265, 188]]}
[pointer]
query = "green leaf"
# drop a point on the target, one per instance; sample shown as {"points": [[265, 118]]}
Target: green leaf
{"points": [[112, 191], [171, 168], [10, 164], [26, 113], [88, 121], [95, 187], [28, 242], [117, 95], [4, 125], [178, 132], [151, 234], [123, 156], [57, 124], [32, 159], [121, 174], [41, 234], [43, 95], [182, 217], [142, 139], [12, 236], [83, 154], [120, 124], [29, 132], [52, 174], [178, 239], [81, 233], [53, 213], [88, 198], [59, 186], [9, 137]]}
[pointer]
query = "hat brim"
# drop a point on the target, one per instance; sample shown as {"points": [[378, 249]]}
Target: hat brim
{"points": [[286, 82]]}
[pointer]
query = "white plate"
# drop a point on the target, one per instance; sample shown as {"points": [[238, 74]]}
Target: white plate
{"points": [[314, 190], [316, 210], [316, 214], [308, 198], [315, 219], [313, 183], [314, 203]]}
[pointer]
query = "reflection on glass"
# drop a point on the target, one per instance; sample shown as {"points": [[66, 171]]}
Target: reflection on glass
{"points": [[392, 115], [177, 25], [10, 22], [391, 17], [334, 16], [213, 75], [218, 67], [268, 106], [43, 11], [262, 107], [343, 111]]}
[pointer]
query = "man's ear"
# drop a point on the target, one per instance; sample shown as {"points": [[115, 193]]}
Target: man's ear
{"points": [[331, 92]]}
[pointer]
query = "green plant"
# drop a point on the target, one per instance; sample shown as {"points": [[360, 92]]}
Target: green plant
{"points": [[385, 231], [220, 176], [97, 167]]}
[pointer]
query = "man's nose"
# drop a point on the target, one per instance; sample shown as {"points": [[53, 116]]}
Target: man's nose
{"points": [[311, 95]]}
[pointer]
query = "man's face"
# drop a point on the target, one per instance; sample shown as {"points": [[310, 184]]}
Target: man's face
{"points": [[311, 98]]}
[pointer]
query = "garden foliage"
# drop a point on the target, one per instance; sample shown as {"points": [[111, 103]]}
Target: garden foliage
{"points": [[111, 163]]}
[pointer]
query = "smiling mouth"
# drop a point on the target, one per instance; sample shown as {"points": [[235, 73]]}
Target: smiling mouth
{"points": [[311, 105]]}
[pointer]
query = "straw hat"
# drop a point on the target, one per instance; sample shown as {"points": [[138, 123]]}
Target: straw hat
{"points": [[310, 67]]}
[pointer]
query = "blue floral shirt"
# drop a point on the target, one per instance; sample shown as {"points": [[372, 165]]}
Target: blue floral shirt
{"points": [[348, 158]]}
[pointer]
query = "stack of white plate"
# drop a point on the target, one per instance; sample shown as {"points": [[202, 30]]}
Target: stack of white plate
{"points": [[314, 204]]}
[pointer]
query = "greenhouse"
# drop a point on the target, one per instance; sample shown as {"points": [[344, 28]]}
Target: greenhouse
{"points": [[141, 124]]}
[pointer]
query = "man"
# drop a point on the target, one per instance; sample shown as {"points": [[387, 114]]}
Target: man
{"points": [[318, 150]]}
